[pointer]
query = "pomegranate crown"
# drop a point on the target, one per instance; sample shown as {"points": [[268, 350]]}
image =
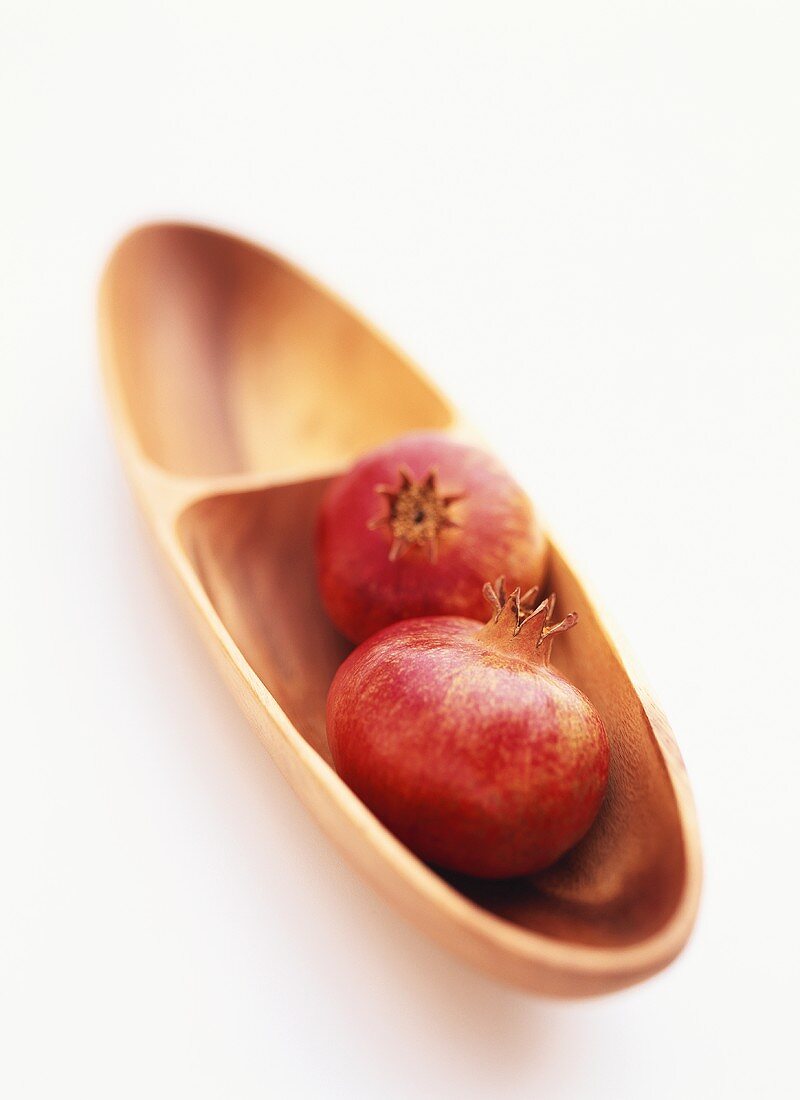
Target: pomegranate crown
{"points": [[523, 623], [418, 513]]}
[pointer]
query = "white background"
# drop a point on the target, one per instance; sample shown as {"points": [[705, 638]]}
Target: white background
{"points": [[583, 220]]}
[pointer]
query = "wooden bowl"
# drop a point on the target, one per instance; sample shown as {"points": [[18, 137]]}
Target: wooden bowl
{"points": [[238, 387]]}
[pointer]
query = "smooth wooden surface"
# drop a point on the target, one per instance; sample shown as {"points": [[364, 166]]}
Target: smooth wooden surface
{"points": [[237, 388]]}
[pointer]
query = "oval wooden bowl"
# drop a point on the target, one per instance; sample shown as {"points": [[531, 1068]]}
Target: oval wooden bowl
{"points": [[238, 387]]}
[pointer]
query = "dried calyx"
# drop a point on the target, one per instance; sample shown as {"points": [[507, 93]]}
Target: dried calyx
{"points": [[520, 624], [418, 513]]}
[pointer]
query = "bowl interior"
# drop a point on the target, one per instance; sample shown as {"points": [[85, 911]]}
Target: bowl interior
{"points": [[230, 362], [253, 552]]}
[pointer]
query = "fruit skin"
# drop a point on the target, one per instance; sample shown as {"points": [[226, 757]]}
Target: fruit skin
{"points": [[363, 590], [467, 745]]}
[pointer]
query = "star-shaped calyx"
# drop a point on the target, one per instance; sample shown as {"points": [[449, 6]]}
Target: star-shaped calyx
{"points": [[418, 513], [520, 624]]}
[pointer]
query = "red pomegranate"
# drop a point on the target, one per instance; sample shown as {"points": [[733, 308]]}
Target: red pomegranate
{"points": [[466, 744], [415, 527]]}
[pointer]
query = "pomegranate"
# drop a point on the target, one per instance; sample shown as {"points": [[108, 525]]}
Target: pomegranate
{"points": [[415, 527], [466, 744]]}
